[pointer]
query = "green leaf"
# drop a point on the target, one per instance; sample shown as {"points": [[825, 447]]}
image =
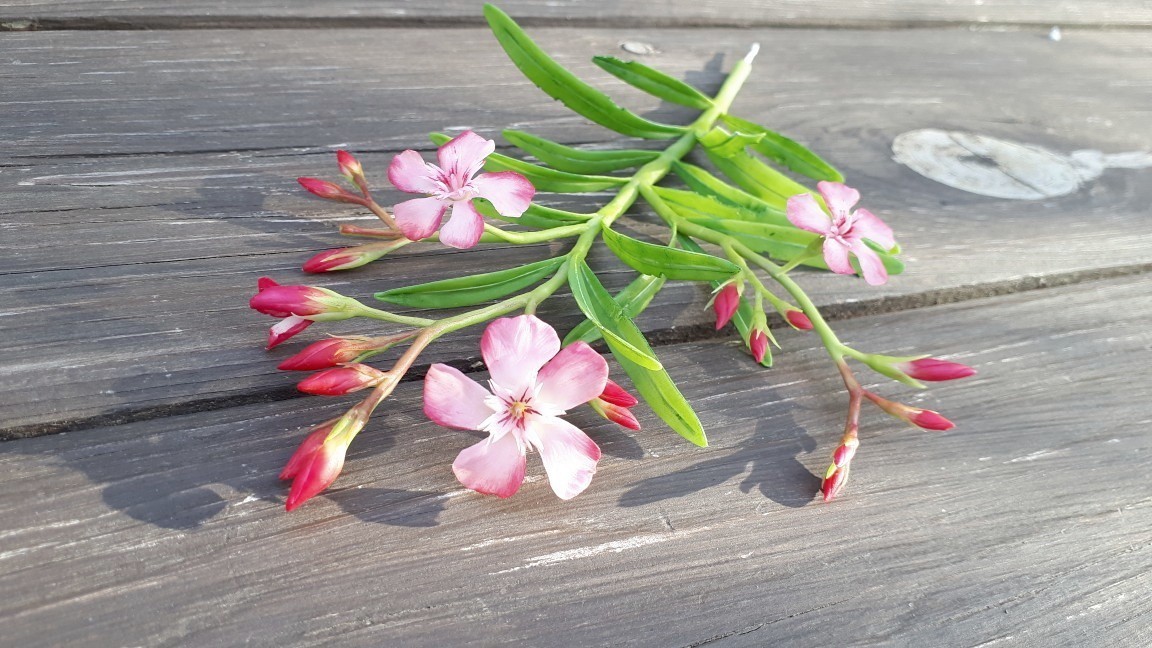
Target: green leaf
{"points": [[705, 183], [747, 231], [473, 289], [543, 178], [654, 82], [757, 178], [668, 262], [562, 85], [784, 151], [632, 300], [567, 158], [727, 144], [625, 340], [619, 331], [694, 206], [536, 216]]}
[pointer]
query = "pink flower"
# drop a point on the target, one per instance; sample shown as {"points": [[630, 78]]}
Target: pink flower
{"points": [[934, 370], [845, 231], [533, 382], [341, 380], [454, 183], [725, 303]]}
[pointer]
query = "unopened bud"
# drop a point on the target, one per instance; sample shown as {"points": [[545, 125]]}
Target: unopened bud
{"points": [[285, 329], [309, 302], [921, 418], [350, 167], [798, 320], [341, 380], [935, 370], [758, 344], [618, 414], [834, 481], [616, 395], [329, 191], [725, 303], [324, 354]]}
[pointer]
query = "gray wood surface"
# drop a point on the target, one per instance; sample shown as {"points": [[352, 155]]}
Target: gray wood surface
{"points": [[24, 14], [1027, 525], [148, 180]]}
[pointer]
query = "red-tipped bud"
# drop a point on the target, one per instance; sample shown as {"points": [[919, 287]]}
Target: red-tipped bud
{"points": [[618, 414], [616, 395], [324, 354], [758, 344], [844, 452], [317, 304], [725, 303], [315, 465], [798, 320], [285, 329], [304, 453], [834, 481], [329, 191], [350, 167], [333, 260], [934, 370], [930, 420], [341, 380]]}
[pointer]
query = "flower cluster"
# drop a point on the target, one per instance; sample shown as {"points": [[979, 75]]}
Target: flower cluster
{"points": [[743, 236]]}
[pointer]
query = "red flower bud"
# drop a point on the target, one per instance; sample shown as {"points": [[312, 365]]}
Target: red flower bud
{"points": [[798, 320], [341, 380], [349, 167], [329, 191], [308, 302], [834, 481], [844, 453], [285, 329], [332, 260], [758, 343], [933, 369], [725, 303], [930, 420], [315, 464], [618, 414], [616, 395], [323, 354]]}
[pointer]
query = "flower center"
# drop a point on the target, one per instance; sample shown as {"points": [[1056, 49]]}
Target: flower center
{"points": [[841, 226], [518, 409]]}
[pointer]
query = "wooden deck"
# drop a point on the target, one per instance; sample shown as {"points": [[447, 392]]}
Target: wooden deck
{"points": [[147, 177]]}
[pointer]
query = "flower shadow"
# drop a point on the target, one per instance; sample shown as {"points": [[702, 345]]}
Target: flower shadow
{"points": [[391, 506]]}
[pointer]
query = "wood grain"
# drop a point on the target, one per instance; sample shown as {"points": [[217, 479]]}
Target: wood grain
{"points": [[1026, 525], [194, 13], [131, 247]]}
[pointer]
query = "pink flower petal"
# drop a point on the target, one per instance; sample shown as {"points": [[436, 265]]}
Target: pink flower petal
{"points": [[515, 348], [418, 218], [804, 212], [409, 173], [454, 400], [495, 468], [509, 192], [839, 198], [836, 256], [463, 228], [867, 225], [569, 455], [871, 267], [464, 155], [285, 329], [575, 376]]}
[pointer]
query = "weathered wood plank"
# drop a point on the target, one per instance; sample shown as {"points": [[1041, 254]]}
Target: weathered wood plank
{"points": [[1027, 524], [125, 277], [154, 13]]}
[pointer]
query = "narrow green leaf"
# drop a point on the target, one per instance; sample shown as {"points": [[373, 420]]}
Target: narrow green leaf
{"points": [[654, 82], [784, 151], [757, 178], [473, 289], [562, 85], [619, 331], [747, 230], [668, 262], [727, 144], [632, 300], [543, 178], [692, 205], [536, 216], [574, 160], [705, 183], [625, 340]]}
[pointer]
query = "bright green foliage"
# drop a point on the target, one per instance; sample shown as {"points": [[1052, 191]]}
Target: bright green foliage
{"points": [[654, 82], [473, 289]]}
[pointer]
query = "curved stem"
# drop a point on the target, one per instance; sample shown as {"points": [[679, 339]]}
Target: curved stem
{"points": [[540, 236]]}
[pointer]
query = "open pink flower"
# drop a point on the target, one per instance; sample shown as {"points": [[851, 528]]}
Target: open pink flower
{"points": [[533, 382], [454, 184], [845, 231]]}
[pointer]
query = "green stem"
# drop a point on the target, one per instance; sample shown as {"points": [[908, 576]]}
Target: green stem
{"points": [[525, 238]]}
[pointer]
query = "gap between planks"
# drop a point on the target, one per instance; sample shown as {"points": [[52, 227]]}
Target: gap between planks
{"points": [[657, 338]]}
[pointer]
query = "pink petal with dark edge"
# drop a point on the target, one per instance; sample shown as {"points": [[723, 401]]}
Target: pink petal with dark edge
{"points": [[573, 377], [515, 348], [495, 468], [418, 218], [509, 192], [454, 400]]}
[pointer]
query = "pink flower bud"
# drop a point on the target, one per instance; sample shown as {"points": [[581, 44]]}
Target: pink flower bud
{"points": [[349, 167], [341, 380], [332, 260], [798, 320], [285, 329], [302, 301], [315, 465], [834, 481], [725, 303], [758, 344], [844, 453], [329, 191], [323, 354], [933, 369], [930, 420], [618, 414], [616, 395]]}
